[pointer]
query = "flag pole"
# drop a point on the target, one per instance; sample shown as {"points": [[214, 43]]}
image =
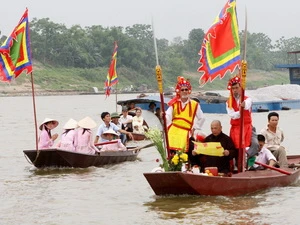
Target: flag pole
{"points": [[242, 152], [34, 112], [116, 97], [160, 88]]}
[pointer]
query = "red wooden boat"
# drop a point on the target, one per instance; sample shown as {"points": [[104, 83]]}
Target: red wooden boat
{"points": [[62, 158], [179, 183]]}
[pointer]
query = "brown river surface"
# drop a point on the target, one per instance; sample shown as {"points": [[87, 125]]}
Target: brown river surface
{"points": [[119, 194]]}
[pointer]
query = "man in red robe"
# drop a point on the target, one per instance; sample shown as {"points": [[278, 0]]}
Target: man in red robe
{"points": [[234, 104]]}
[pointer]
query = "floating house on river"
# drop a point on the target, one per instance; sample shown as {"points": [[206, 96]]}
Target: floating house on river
{"points": [[293, 64]]}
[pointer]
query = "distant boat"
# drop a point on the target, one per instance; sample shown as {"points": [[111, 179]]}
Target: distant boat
{"points": [[143, 102]]}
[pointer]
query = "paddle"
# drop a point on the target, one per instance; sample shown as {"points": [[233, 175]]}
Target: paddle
{"points": [[273, 168], [106, 143], [146, 146], [115, 141]]}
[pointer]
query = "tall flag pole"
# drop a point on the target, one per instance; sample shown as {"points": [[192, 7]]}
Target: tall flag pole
{"points": [[112, 77], [15, 57], [242, 151], [220, 50], [161, 93]]}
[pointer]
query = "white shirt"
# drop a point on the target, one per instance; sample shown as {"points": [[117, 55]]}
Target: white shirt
{"points": [[124, 120], [264, 156], [236, 114], [273, 140]]}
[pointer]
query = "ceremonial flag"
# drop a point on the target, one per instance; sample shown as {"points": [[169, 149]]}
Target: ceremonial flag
{"points": [[15, 53], [112, 77], [220, 50]]}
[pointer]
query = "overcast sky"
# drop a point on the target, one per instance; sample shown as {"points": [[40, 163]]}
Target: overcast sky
{"points": [[172, 18]]}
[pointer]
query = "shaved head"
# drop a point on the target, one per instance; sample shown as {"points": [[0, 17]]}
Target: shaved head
{"points": [[216, 127]]}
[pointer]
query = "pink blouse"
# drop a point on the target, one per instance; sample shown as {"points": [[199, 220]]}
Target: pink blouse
{"points": [[68, 141], [114, 147], [45, 141], [85, 142]]}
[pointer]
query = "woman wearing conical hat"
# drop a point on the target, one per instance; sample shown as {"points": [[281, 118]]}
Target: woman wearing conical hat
{"points": [[111, 135], [68, 139], [46, 140], [85, 142]]}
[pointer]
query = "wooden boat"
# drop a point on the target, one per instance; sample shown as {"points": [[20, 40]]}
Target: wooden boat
{"points": [[179, 183], [138, 137], [61, 158], [143, 102]]}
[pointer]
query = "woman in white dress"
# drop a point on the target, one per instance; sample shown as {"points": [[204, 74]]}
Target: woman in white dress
{"points": [[138, 123]]}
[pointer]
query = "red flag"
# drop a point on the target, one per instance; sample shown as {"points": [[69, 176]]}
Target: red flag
{"points": [[15, 53], [220, 50], [112, 77]]}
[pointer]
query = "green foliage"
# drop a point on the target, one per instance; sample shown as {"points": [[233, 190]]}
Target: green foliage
{"points": [[155, 136], [77, 58]]}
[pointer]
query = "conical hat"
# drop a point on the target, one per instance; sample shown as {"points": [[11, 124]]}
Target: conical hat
{"points": [[71, 124], [87, 123], [46, 120], [110, 131]]}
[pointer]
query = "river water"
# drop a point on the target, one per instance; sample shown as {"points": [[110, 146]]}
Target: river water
{"points": [[119, 194]]}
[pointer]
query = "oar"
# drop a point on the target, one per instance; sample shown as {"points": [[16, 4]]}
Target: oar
{"points": [[273, 168], [106, 143], [146, 146]]}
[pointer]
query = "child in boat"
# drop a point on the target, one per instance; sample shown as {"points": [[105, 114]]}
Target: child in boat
{"points": [[68, 139], [46, 140], [264, 155], [111, 135], [85, 142]]}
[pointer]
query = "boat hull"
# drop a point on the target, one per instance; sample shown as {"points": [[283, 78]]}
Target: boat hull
{"points": [[61, 158], [138, 137], [178, 183]]}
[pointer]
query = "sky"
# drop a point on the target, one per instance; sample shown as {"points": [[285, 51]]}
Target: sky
{"points": [[171, 18]]}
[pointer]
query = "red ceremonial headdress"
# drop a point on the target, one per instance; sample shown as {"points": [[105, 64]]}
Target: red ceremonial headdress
{"points": [[181, 82], [232, 81]]}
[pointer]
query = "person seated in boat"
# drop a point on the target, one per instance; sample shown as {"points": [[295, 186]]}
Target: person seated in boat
{"points": [[264, 155], [46, 139], [85, 142], [131, 107], [183, 116], [274, 136], [152, 106], [115, 118], [230, 151], [138, 123], [111, 135], [158, 114], [107, 124], [126, 120], [68, 139]]}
